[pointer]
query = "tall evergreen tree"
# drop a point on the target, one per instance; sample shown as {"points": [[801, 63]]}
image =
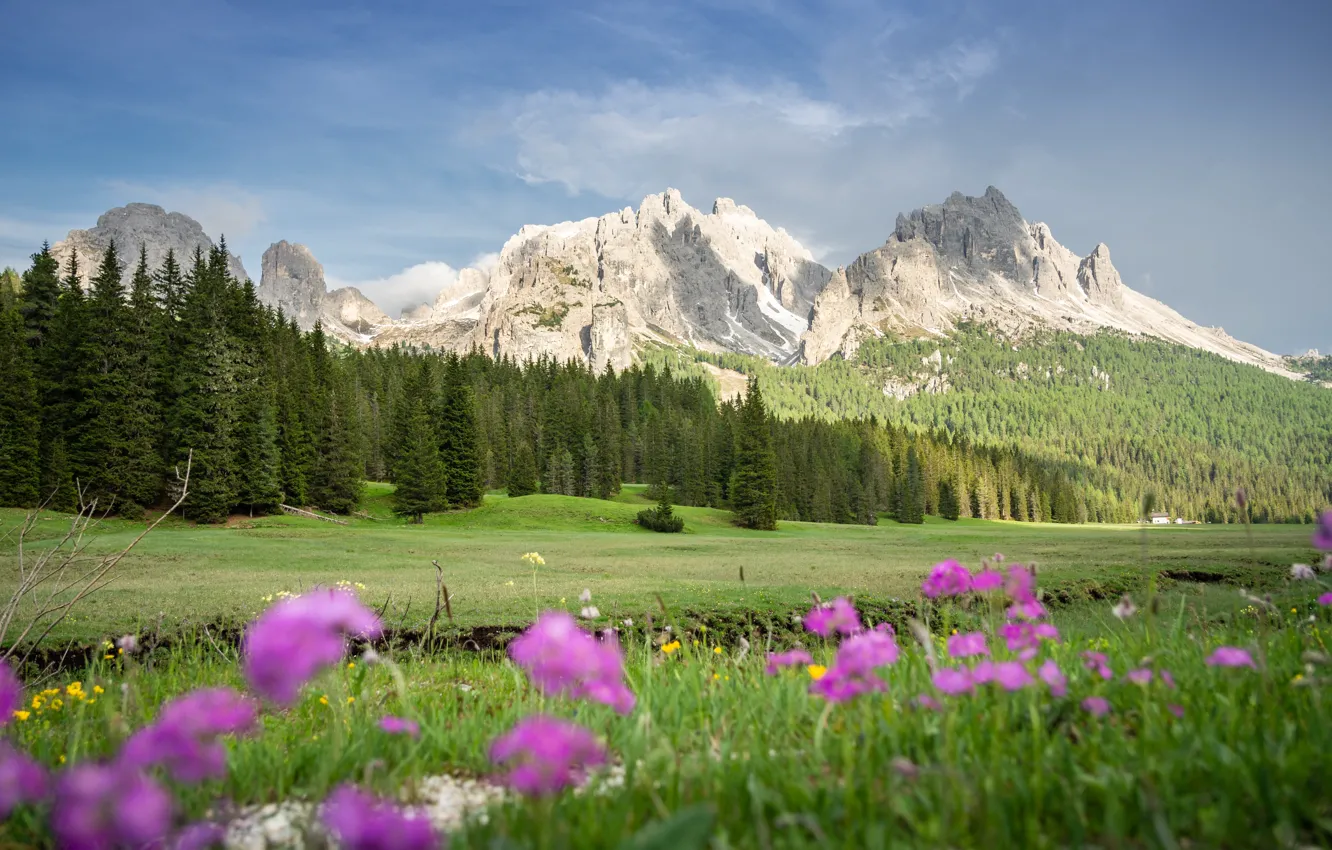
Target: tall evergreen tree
{"points": [[522, 474], [754, 481], [913, 490], [949, 507], [20, 419], [41, 295], [459, 440], [420, 480]]}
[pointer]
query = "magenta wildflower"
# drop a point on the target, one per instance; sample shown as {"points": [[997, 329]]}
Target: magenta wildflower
{"points": [[1097, 663], [1012, 675], [1028, 610], [1168, 679], [364, 822], [837, 616], [987, 580], [1175, 709], [1141, 676], [1230, 656], [294, 639], [1322, 538], [966, 645], [561, 658], [1025, 638], [399, 726], [929, 702], [853, 671], [183, 738], [791, 658], [545, 755], [99, 806], [199, 836], [1097, 706], [983, 673], [1053, 677], [948, 578], [1020, 584], [22, 780], [11, 692], [953, 680], [1325, 599]]}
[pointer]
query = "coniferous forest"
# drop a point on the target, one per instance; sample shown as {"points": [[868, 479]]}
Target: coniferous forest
{"points": [[105, 394]]}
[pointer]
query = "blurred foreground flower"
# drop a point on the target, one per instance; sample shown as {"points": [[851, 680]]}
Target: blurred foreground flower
{"points": [[966, 645], [1301, 572], [1096, 706], [854, 671], [947, 579], [838, 616], [1124, 608], [561, 658], [1322, 538], [183, 739], [1230, 656], [109, 806], [11, 692], [22, 780], [790, 658], [399, 726], [363, 822], [545, 755]]}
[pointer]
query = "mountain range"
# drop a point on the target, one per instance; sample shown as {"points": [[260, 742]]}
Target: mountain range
{"points": [[602, 289]]}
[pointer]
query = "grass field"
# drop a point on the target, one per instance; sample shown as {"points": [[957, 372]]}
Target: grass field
{"points": [[185, 575]]}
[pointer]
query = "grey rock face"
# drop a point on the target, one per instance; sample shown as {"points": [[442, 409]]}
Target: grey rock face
{"points": [[293, 281], [139, 224]]}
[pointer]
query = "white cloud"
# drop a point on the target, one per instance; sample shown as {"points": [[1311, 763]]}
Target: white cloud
{"points": [[222, 209], [485, 262], [418, 284]]}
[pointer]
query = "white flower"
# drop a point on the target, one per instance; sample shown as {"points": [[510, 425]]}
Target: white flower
{"points": [[1124, 608], [589, 612], [585, 597], [1301, 572], [1327, 564], [628, 624]]}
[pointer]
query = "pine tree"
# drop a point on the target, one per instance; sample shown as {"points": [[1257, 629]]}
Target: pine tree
{"points": [[20, 420], [420, 480], [754, 482], [913, 490], [256, 456], [949, 507], [459, 446], [590, 485], [522, 473], [41, 295]]}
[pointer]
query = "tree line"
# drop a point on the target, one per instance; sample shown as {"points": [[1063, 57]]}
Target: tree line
{"points": [[107, 394]]}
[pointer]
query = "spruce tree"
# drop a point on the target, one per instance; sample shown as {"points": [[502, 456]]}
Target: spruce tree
{"points": [[20, 420], [522, 473], [256, 456], [420, 480], [459, 446], [949, 507], [338, 477], [41, 295], [913, 490], [754, 481]]}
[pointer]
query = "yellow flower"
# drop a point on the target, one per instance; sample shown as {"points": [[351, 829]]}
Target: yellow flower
{"points": [[954, 631], [508, 584], [716, 676], [323, 700], [716, 650], [351, 665], [22, 715], [671, 647], [1298, 676], [535, 560], [97, 689], [351, 700], [62, 758], [561, 600], [56, 704], [703, 629], [816, 671], [37, 701], [107, 657]]}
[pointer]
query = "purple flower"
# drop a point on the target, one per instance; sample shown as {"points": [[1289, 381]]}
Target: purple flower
{"points": [[199, 836], [1141, 676], [1098, 663], [562, 658], [836, 616], [947, 579], [1097, 706], [1302, 572], [840, 685], [1012, 675], [1168, 679], [791, 658], [1322, 538], [1325, 599], [363, 822], [1177, 710], [987, 580], [1020, 584], [296, 638], [953, 680], [1230, 656], [965, 645], [22, 780], [399, 726], [983, 673], [928, 702], [1029, 610], [11, 692], [183, 738], [102, 806], [853, 671], [1053, 677], [1025, 638], [545, 755]]}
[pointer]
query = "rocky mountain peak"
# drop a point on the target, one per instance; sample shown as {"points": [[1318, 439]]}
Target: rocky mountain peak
{"points": [[293, 282]]}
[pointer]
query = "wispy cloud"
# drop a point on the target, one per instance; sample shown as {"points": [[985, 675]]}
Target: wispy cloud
{"points": [[222, 209]]}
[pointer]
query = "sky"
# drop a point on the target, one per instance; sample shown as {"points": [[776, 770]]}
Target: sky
{"points": [[401, 140]]}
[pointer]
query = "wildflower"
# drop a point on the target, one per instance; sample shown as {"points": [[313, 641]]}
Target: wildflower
{"points": [[853, 673], [1098, 663], [22, 780], [987, 580], [1096, 706], [1322, 538], [295, 638], [128, 645], [971, 643], [534, 560], [953, 680], [1177, 710], [837, 616], [199, 836], [109, 806], [948, 578], [1028, 610], [1301, 572], [184, 737], [1124, 608], [589, 612], [1325, 599], [97, 689], [1025, 638], [11, 692], [716, 650], [816, 671], [21, 715], [323, 699], [668, 648], [1020, 584], [983, 673], [545, 755], [927, 701], [363, 822], [1012, 675], [1168, 679], [585, 597], [1053, 677], [560, 657], [1141, 676], [399, 726], [1230, 656]]}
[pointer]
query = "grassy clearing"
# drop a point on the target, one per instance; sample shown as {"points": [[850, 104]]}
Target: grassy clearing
{"points": [[184, 574]]}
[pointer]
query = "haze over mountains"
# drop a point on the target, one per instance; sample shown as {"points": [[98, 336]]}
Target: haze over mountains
{"points": [[670, 274]]}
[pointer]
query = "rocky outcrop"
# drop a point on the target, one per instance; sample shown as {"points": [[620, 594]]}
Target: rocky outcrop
{"points": [[293, 282], [135, 225]]}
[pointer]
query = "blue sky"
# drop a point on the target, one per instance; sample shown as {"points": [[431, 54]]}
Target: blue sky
{"points": [[1191, 137]]}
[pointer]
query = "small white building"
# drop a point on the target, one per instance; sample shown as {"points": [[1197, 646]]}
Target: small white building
{"points": [[1160, 519]]}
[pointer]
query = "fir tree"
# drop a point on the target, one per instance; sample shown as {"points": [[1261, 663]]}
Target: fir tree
{"points": [[20, 469], [41, 295], [522, 473], [421, 483], [459, 446], [913, 490], [754, 481], [949, 507]]}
